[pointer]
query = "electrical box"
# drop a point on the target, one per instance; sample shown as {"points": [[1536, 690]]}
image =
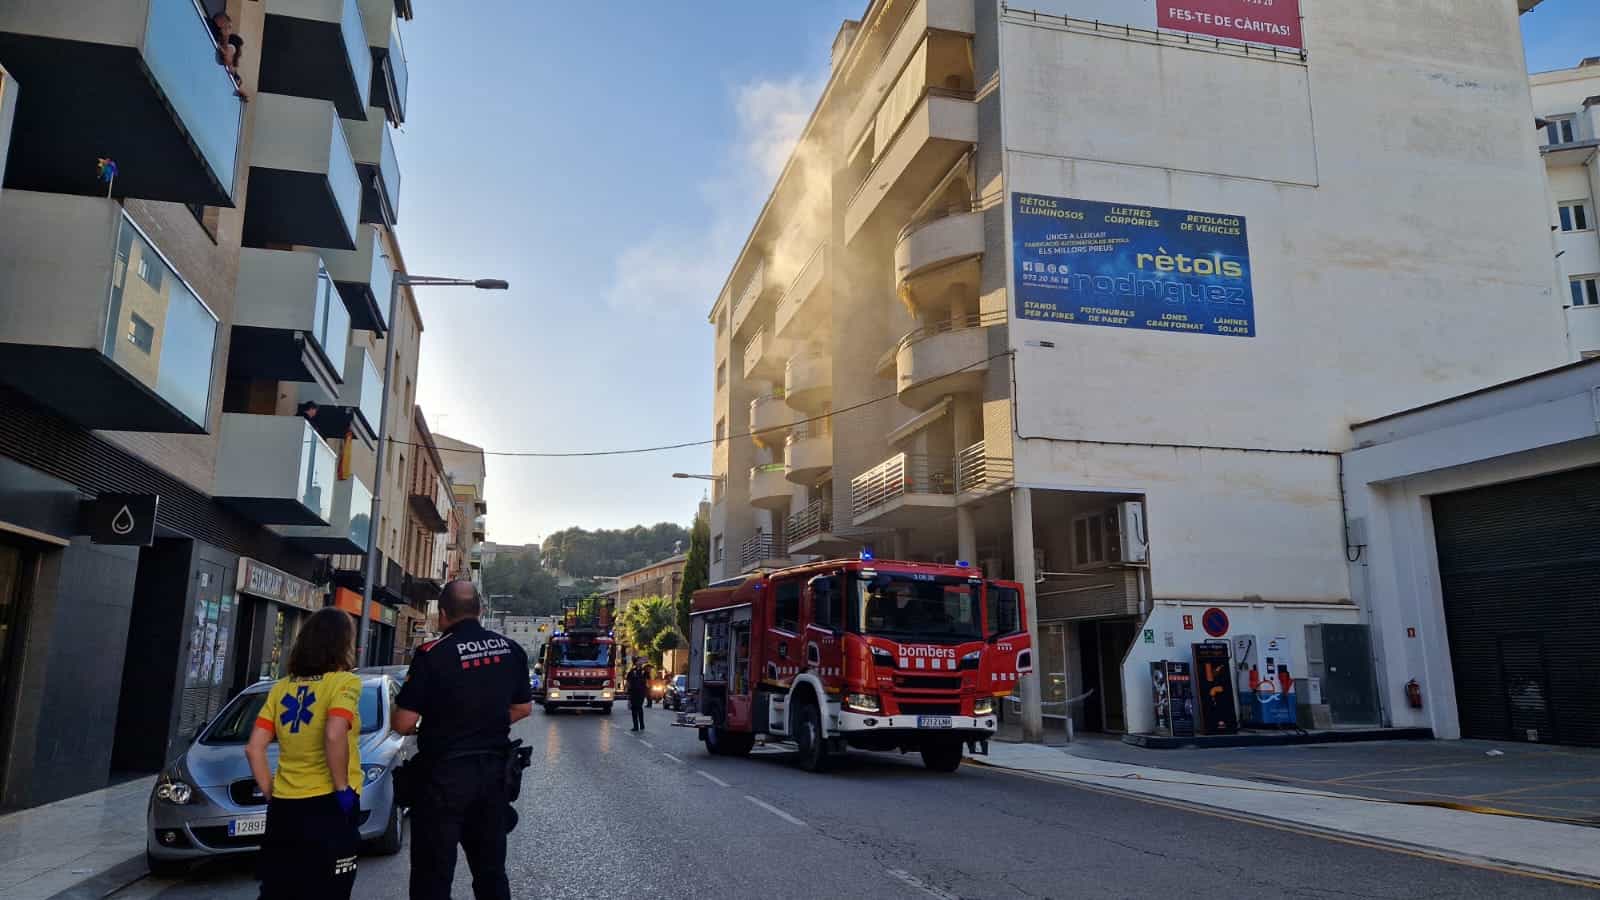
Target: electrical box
{"points": [[1133, 531]]}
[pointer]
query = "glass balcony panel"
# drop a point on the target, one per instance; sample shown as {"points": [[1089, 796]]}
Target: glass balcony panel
{"points": [[318, 465], [181, 55], [360, 514], [333, 321]]}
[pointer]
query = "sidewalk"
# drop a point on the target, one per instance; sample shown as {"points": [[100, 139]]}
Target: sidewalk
{"points": [[1529, 845], [94, 842]]}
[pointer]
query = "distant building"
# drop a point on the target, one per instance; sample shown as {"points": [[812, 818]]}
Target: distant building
{"points": [[1566, 106], [662, 578], [491, 550], [464, 463]]}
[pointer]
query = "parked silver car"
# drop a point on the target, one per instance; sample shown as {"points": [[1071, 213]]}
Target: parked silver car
{"points": [[205, 803]]}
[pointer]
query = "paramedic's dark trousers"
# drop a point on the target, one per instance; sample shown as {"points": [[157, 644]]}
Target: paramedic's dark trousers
{"points": [[464, 802]]}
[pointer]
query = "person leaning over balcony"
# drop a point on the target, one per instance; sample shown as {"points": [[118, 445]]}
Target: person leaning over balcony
{"points": [[230, 50], [312, 836]]}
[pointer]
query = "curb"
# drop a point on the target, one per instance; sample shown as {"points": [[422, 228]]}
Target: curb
{"points": [[105, 883], [1578, 879]]}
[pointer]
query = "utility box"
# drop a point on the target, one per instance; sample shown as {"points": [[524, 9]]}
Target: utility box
{"points": [[1132, 531]]}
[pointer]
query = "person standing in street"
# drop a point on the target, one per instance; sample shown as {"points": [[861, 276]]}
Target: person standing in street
{"points": [[469, 686], [312, 838], [638, 688]]}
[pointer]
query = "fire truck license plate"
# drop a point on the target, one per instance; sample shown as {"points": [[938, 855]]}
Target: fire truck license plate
{"points": [[935, 722]]}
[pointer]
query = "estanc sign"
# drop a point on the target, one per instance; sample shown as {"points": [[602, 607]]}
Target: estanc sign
{"points": [[1275, 23]]}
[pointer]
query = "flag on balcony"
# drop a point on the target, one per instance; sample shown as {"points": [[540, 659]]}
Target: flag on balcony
{"points": [[107, 169], [344, 454]]}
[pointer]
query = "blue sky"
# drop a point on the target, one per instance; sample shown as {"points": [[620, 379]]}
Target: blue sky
{"points": [[608, 159]]}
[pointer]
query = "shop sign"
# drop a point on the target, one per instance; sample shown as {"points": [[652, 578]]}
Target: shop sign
{"points": [[350, 601], [261, 580], [126, 520]]}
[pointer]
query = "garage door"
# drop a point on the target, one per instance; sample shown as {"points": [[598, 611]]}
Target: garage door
{"points": [[1520, 571]]}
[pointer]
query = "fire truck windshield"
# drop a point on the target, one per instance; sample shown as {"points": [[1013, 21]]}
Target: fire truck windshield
{"points": [[582, 653], [915, 607]]}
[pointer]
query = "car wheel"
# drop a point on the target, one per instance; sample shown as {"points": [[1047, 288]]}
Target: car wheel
{"points": [[393, 837], [165, 868]]}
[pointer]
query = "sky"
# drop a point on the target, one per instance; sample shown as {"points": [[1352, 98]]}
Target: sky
{"points": [[608, 159]]}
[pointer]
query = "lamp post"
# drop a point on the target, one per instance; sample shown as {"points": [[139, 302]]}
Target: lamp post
{"points": [[400, 280], [700, 477]]}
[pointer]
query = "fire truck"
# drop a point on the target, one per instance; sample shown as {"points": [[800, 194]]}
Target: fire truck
{"points": [[579, 662], [870, 654]]}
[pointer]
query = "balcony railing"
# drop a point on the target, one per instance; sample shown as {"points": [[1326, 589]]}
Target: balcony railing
{"points": [[815, 520], [761, 548], [304, 188], [283, 296], [372, 147], [275, 469], [978, 472], [318, 49], [898, 476], [389, 69]]}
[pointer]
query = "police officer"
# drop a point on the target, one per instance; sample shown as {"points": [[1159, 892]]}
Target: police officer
{"points": [[469, 686]]}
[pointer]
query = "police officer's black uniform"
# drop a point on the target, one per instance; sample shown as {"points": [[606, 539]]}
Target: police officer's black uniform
{"points": [[463, 686]]}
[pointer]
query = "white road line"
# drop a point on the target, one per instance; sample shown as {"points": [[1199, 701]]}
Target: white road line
{"points": [[711, 778], [671, 757], [647, 743], [919, 884], [775, 811]]}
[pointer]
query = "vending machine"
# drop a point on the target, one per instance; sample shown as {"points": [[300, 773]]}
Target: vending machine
{"points": [[1172, 689], [1265, 682], [1216, 710]]}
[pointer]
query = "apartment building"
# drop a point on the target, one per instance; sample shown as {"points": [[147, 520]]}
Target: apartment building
{"points": [[1566, 103], [662, 578], [430, 501], [1089, 294], [464, 463], [181, 273]]}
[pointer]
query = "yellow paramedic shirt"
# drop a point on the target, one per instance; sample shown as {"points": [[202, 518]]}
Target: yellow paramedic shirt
{"points": [[296, 711]]}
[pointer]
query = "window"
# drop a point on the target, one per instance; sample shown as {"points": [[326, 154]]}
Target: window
{"points": [[716, 548], [825, 598], [141, 334], [786, 604], [722, 375], [1574, 216], [722, 431], [1559, 130], [148, 273], [722, 322], [1586, 290], [1005, 610], [717, 489], [1088, 541]]}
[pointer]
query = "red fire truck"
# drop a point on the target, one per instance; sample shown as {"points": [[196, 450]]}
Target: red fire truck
{"points": [[866, 653], [579, 664]]}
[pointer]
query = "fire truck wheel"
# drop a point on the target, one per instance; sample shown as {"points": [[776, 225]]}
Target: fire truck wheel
{"points": [[549, 708], [942, 757], [605, 708], [808, 737]]}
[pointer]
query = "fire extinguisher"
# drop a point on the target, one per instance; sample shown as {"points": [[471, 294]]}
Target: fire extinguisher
{"points": [[1414, 694]]}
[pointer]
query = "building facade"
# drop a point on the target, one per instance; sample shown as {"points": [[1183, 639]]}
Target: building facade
{"points": [[429, 500], [1566, 103], [467, 471], [1092, 302], [166, 318], [659, 579]]}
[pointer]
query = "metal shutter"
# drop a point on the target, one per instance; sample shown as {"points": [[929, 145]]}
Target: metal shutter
{"points": [[1520, 570]]}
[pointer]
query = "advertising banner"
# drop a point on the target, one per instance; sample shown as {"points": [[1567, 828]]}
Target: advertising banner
{"points": [[1124, 266], [1275, 23]]}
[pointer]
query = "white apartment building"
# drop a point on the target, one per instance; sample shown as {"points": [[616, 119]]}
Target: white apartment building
{"points": [[1091, 295], [1567, 105], [468, 471]]}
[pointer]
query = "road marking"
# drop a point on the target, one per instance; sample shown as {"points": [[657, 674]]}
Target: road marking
{"points": [[711, 778], [775, 811], [671, 757], [647, 743], [919, 884]]}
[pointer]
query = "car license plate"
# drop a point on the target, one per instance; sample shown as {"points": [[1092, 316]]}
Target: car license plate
{"points": [[935, 722], [251, 825]]}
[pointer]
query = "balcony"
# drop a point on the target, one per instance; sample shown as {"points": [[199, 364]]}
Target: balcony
{"points": [[1583, 329], [137, 79], [939, 253], [770, 419], [390, 72], [765, 356], [303, 183], [480, 529], [808, 453], [804, 307], [372, 148], [949, 357], [276, 470], [763, 551], [350, 528], [317, 49], [749, 297], [811, 529], [95, 323], [904, 491], [364, 277], [290, 324], [431, 504], [357, 404], [768, 487], [808, 382], [979, 474]]}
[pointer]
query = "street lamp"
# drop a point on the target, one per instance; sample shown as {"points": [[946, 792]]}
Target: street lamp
{"points": [[700, 477], [401, 279]]}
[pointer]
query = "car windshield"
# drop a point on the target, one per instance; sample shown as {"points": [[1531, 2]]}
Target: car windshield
{"points": [[236, 720], [919, 607], [680, 681], [583, 653]]}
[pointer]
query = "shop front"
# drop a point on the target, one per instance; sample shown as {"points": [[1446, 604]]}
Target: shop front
{"points": [[274, 604], [380, 639]]}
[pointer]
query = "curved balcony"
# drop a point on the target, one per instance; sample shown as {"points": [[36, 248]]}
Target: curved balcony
{"points": [[945, 358], [808, 382], [770, 419], [768, 488], [936, 253], [808, 455]]}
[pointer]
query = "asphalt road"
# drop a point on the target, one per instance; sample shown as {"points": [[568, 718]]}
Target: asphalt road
{"points": [[609, 814]]}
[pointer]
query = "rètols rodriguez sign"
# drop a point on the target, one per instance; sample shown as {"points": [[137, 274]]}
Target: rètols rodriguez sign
{"points": [[1121, 265]]}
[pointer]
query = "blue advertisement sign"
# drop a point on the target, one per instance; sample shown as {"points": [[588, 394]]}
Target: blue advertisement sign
{"points": [[1125, 266]]}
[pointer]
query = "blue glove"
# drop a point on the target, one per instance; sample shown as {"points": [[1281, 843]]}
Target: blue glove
{"points": [[348, 799]]}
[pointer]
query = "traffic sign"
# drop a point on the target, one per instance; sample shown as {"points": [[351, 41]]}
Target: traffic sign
{"points": [[1215, 622]]}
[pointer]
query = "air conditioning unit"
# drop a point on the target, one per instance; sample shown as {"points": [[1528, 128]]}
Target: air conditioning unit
{"points": [[1132, 531]]}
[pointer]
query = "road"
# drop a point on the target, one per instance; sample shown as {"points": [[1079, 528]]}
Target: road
{"points": [[606, 813]]}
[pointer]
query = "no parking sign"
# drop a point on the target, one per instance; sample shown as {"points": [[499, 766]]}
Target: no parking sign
{"points": [[1215, 622]]}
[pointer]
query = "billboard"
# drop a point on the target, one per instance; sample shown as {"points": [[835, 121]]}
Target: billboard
{"points": [[1275, 23], [1124, 266]]}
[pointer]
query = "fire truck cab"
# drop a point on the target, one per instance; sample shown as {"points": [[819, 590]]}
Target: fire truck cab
{"points": [[579, 664], [876, 655]]}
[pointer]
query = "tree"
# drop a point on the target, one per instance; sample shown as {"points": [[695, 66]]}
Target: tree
{"points": [[533, 591], [585, 554], [642, 622], [696, 570]]}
